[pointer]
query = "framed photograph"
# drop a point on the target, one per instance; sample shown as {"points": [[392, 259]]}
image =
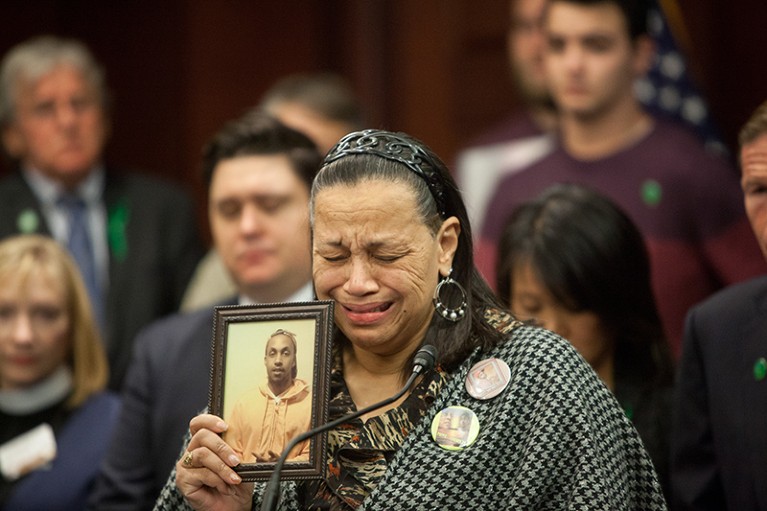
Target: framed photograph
{"points": [[270, 382]]}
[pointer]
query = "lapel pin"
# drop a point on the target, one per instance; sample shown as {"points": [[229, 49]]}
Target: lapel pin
{"points": [[760, 369], [27, 222]]}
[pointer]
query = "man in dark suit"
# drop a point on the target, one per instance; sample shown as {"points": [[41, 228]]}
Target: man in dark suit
{"points": [[259, 173], [323, 107], [134, 238], [719, 442]]}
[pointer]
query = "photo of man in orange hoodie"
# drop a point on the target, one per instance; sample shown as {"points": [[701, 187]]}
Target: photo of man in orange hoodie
{"points": [[267, 417]]}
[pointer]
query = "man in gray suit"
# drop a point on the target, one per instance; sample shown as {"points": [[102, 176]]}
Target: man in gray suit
{"points": [[719, 438], [259, 173], [135, 238]]}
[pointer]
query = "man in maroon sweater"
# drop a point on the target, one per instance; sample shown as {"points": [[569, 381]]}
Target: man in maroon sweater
{"points": [[686, 202]]}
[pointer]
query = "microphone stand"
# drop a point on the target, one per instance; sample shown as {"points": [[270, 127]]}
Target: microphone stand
{"points": [[424, 360]]}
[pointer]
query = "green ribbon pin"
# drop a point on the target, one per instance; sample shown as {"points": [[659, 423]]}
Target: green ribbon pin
{"points": [[117, 223], [760, 369], [651, 192], [27, 222]]}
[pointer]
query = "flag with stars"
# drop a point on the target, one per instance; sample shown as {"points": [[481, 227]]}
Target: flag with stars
{"points": [[668, 89]]}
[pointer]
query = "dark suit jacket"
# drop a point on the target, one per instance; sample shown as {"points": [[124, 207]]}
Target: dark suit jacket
{"points": [[719, 438], [166, 386], [151, 258]]}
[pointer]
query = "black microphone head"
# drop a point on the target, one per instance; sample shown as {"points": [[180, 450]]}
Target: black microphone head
{"points": [[425, 358]]}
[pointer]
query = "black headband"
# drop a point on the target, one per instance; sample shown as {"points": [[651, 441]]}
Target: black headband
{"points": [[397, 148]]}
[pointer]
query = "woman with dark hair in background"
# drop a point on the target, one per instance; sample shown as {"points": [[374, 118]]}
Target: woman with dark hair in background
{"points": [[571, 260]]}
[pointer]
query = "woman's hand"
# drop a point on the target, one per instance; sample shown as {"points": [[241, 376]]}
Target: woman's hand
{"points": [[204, 475]]}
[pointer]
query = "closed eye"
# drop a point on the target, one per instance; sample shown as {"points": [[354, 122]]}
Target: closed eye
{"points": [[229, 209], [754, 188], [273, 205], [598, 44], [388, 258], [333, 258], [555, 44], [7, 312]]}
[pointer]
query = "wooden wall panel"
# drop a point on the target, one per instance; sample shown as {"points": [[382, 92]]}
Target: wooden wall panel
{"points": [[435, 68], [138, 49], [232, 52], [421, 44], [441, 69], [730, 40], [481, 73]]}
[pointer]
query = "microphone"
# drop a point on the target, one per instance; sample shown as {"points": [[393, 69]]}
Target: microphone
{"points": [[424, 360]]}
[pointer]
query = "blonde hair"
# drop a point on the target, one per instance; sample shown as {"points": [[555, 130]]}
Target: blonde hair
{"points": [[31, 254]]}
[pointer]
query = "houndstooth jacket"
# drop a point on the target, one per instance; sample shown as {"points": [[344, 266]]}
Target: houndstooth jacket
{"points": [[555, 439]]}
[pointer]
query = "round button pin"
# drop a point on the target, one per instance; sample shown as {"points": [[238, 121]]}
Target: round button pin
{"points": [[27, 221], [651, 192], [455, 428], [487, 378], [760, 369]]}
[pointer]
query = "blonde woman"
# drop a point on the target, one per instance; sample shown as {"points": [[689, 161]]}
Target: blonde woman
{"points": [[55, 415]]}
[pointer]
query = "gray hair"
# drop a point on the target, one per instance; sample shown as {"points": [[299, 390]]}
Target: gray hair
{"points": [[34, 58]]}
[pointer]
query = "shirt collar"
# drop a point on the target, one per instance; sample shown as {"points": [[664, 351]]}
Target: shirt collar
{"points": [[49, 190], [39, 396], [304, 294]]}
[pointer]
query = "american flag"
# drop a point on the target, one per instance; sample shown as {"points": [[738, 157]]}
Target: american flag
{"points": [[668, 89]]}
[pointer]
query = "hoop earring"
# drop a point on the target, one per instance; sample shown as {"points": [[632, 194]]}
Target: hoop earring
{"points": [[446, 312]]}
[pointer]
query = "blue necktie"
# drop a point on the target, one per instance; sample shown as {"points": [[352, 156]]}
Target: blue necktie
{"points": [[81, 248]]}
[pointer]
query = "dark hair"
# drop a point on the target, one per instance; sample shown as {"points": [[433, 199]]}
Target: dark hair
{"points": [[454, 341], [327, 94], [635, 12], [257, 133], [591, 257]]}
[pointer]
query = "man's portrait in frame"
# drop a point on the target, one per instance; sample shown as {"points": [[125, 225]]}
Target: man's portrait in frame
{"points": [[269, 384]]}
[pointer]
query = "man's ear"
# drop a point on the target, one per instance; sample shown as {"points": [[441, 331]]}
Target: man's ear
{"points": [[13, 141], [644, 53], [447, 237]]}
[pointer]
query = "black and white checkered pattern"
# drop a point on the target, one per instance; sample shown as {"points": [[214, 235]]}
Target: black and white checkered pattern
{"points": [[554, 439]]}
